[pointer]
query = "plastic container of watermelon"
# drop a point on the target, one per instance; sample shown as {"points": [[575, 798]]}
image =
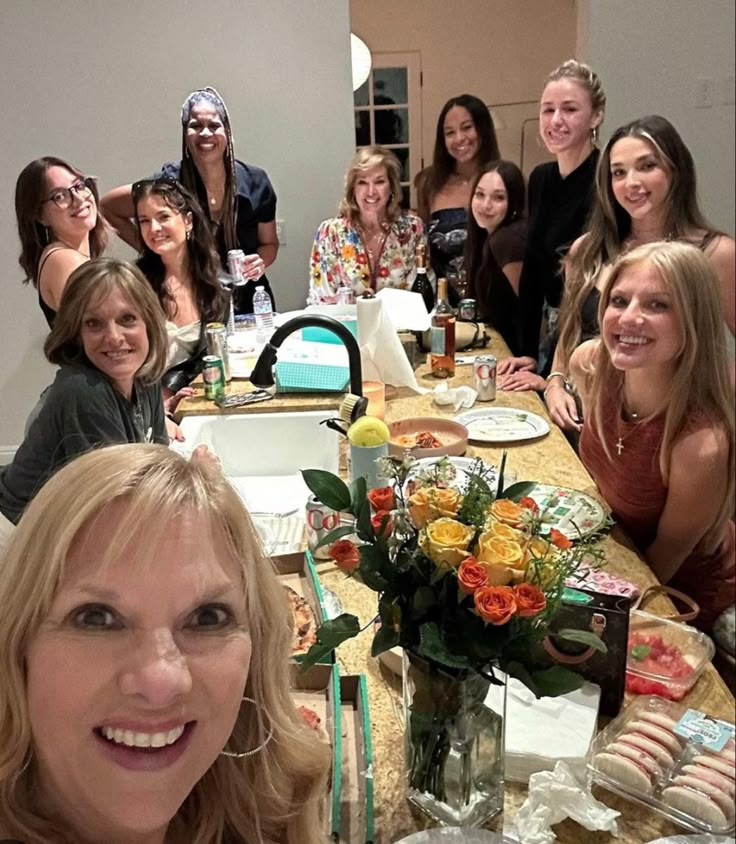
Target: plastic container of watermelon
{"points": [[664, 657]]}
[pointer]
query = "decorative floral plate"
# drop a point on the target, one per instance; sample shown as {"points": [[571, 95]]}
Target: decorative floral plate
{"points": [[574, 513], [463, 465], [502, 424]]}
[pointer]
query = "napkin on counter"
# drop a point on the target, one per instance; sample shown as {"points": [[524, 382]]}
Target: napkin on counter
{"points": [[381, 351], [541, 731], [460, 398], [553, 797]]}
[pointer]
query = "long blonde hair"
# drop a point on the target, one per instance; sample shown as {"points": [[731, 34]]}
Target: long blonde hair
{"points": [[701, 382], [365, 159], [271, 796]]}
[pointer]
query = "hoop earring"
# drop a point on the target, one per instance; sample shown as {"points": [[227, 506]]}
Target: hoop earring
{"points": [[255, 749], [23, 768]]}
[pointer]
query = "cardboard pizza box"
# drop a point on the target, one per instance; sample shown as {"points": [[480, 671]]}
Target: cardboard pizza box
{"points": [[356, 769], [318, 688], [297, 571]]}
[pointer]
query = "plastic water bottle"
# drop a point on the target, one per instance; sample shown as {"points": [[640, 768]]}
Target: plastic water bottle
{"points": [[263, 309]]}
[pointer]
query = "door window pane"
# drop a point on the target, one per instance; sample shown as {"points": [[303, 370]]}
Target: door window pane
{"points": [[390, 85], [392, 125], [362, 127], [360, 97]]}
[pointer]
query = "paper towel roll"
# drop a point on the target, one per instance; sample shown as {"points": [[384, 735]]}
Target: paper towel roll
{"points": [[381, 352]]}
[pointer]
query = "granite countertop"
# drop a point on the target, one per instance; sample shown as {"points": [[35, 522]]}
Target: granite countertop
{"points": [[549, 459]]}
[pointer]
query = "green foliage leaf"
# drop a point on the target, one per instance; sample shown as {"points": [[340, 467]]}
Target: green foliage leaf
{"points": [[329, 538], [363, 525], [583, 637], [358, 493], [314, 655], [371, 568], [501, 470], [385, 639], [521, 673], [329, 489], [424, 599], [335, 631], [518, 490], [432, 646], [555, 681]]}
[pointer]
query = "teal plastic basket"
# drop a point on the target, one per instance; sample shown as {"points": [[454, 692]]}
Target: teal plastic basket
{"points": [[296, 377]]}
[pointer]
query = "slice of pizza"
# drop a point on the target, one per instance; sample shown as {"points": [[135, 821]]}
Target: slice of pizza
{"points": [[305, 623]]}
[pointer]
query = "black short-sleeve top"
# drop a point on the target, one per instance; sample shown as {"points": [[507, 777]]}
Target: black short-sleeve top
{"points": [[256, 203]]}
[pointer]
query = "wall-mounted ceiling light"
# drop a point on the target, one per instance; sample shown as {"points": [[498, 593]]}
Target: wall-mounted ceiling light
{"points": [[361, 61]]}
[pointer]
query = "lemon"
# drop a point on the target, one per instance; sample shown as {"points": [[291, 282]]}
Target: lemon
{"points": [[368, 431]]}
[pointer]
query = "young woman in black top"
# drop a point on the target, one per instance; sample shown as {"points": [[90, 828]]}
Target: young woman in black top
{"points": [[560, 196], [494, 249]]}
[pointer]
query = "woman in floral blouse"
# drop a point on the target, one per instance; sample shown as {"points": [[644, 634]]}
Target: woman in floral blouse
{"points": [[372, 242]]}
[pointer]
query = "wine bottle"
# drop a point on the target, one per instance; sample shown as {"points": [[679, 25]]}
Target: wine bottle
{"points": [[422, 284], [442, 335]]}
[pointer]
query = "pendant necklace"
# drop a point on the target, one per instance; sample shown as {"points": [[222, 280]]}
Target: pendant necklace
{"points": [[634, 418]]}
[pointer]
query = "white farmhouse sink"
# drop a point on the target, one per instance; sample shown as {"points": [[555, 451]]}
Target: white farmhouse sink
{"points": [[262, 453]]}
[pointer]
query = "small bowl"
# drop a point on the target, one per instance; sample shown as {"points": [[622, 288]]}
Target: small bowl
{"points": [[453, 435]]}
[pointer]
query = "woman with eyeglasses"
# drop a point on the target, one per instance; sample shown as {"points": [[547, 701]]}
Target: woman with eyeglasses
{"points": [[180, 261], [59, 225], [238, 198]]}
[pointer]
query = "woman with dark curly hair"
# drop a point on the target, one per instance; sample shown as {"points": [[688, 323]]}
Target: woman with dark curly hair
{"points": [[180, 261]]}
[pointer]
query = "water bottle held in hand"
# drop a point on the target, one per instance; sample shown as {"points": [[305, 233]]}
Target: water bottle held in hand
{"points": [[263, 310]]}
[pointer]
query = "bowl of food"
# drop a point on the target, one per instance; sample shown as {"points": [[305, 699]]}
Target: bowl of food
{"points": [[429, 436]]}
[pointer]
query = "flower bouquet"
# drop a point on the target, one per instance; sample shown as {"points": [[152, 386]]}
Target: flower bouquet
{"points": [[468, 577]]}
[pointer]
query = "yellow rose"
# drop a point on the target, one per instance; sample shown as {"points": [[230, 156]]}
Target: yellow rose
{"points": [[540, 556], [429, 503], [446, 541], [507, 511], [503, 531], [499, 574], [496, 549]]}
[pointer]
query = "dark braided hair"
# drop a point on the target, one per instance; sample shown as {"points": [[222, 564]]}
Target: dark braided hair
{"points": [[190, 177]]}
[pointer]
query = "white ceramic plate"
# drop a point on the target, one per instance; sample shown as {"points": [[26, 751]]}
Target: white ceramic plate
{"points": [[463, 466], [502, 424], [694, 839]]}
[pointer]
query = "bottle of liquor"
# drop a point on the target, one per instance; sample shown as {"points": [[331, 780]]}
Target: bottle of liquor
{"points": [[442, 335], [422, 284]]}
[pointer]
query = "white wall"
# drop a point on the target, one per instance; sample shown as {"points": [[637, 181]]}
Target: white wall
{"points": [[100, 83], [649, 55]]}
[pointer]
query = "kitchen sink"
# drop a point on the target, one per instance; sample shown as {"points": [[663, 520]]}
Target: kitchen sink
{"points": [[262, 453]]}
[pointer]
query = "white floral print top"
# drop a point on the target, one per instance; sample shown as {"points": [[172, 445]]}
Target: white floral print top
{"points": [[339, 258]]}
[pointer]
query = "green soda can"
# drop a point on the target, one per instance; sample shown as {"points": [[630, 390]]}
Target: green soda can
{"points": [[213, 375]]}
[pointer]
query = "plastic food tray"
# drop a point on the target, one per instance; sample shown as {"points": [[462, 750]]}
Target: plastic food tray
{"points": [[688, 748], [642, 676]]}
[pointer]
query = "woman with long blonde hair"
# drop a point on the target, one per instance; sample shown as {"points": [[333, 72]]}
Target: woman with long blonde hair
{"points": [[658, 436], [144, 650], [645, 191]]}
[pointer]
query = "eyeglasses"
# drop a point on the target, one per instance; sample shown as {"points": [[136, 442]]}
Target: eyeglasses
{"points": [[63, 198], [160, 181]]}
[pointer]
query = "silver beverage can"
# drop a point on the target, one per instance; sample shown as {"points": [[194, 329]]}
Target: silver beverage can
{"points": [[320, 521], [236, 265], [466, 310], [216, 335], [484, 377]]}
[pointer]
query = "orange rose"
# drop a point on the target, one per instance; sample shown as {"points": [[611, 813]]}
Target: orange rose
{"points": [[507, 511], [345, 554], [530, 600], [382, 498], [529, 504], [472, 575], [495, 604], [429, 503], [559, 539], [377, 521]]}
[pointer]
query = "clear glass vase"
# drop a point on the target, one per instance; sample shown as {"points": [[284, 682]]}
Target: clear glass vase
{"points": [[453, 744]]}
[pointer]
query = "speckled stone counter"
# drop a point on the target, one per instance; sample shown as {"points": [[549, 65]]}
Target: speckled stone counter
{"points": [[547, 460]]}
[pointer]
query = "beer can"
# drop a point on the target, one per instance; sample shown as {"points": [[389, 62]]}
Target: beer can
{"points": [[216, 335], [236, 266], [320, 521], [484, 377], [213, 375], [466, 310]]}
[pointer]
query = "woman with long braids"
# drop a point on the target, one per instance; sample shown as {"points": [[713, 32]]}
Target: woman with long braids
{"points": [[239, 199]]}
